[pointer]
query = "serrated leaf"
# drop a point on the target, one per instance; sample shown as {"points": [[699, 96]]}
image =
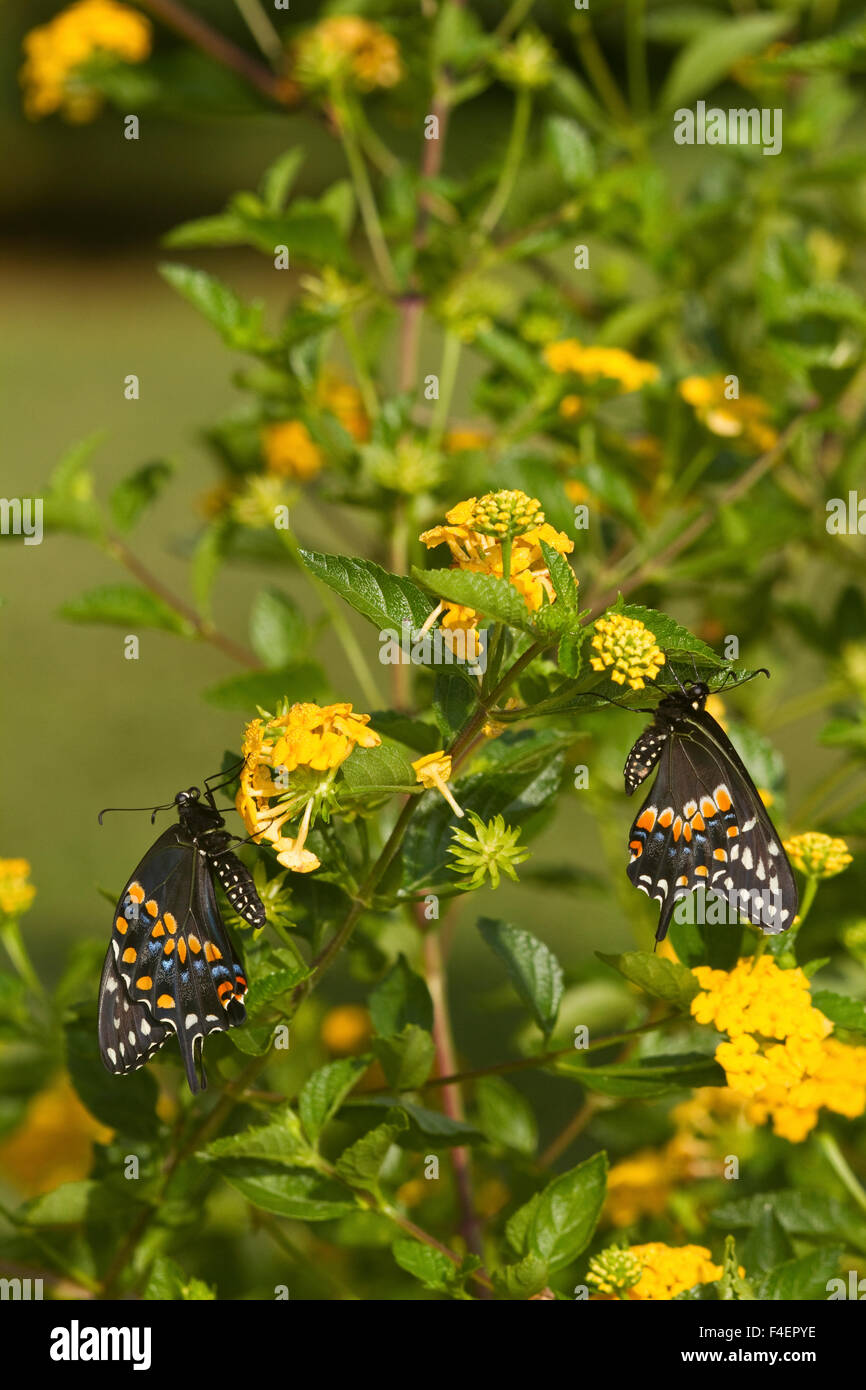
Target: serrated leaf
{"points": [[386, 600], [168, 1283], [532, 967], [670, 635], [401, 997], [567, 1213], [385, 768], [407, 1057], [663, 979], [806, 1278], [520, 1281], [519, 1223], [505, 1115], [359, 1165], [300, 1196], [424, 1262], [280, 1141], [124, 605], [809, 1214], [487, 594], [324, 1092], [646, 1076], [238, 323], [272, 985]]}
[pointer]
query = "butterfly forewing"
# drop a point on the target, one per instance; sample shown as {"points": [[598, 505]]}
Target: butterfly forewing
{"points": [[703, 825], [170, 966]]}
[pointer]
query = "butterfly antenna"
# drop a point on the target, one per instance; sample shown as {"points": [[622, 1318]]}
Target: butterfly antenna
{"points": [[153, 809]]}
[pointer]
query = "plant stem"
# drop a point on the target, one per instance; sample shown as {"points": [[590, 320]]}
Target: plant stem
{"points": [[451, 349], [596, 66], [263, 31], [10, 935], [192, 27], [345, 117], [511, 163], [365, 381], [840, 1167], [635, 53]]}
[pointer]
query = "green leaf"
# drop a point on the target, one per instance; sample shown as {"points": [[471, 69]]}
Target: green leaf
{"points": [[671, 636], [124, 605], [324, 1092], [701, 64], [569, 654], [401, 997], [168, 1283], [224, 229], [278, 631], [386, 600], [382, 769], [731, 1286], [359, 1165], [663, 979], [522, 1280], [74, 1203], [841, 1009], [519, 1224], [709, 943], [134, 495], [272, 985], [505, 1116], [454, 700], [280, 1141], [532, 967], [412, 733], [568, 1211], [239, 324], [766, 1244], [434, 1130], [407, 1057], [808, 1214], [430, 1266], [300, 1196], [572, 150], [305, 680], [804, 1278], [277, 180], [489, 595]]}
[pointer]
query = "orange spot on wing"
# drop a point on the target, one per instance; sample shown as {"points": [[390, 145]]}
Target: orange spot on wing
{"points": [[723, 801], [212, 952], [687, 833], [144, 983], [165, 1001], [181, 949], [698, 823], [708, 806], [689, 809], [678, 827], [701, 871], [733, 831], [720, 854], [159, 930], [136, 892], [130, 955], [151, 907], [666, 817], [647, 819], [169, 946], [242, 982], [121, 925], [194, 944], [171, 922], [682, 881]]}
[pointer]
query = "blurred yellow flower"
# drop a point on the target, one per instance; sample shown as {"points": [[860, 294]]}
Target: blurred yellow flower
{"points": [[308, 740], [779, 1054], [819, 856], [667, 1270], [343, 400], [290, 451], [594, 363], [346, 1029], [570, 407], [16, 890], [54, 50], [54, 1142], [351, 49], [461, 441], [743, 417], [627, 649]]}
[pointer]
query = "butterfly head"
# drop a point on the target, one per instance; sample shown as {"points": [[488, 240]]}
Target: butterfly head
{"points": [[192, 794], [696, 693]]}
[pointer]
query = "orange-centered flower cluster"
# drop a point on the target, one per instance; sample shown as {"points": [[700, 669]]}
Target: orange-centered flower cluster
{"points": [[55, 50], [291, 760], [475, 532], [780, 1055], [347, 48]]}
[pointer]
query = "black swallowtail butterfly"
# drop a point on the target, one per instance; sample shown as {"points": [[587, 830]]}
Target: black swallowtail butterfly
{"points": [[703, 824], [171, 967]]}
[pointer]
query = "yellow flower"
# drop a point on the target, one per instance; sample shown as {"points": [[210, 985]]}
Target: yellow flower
{"points": [[668, 1270], [819, 856], [593, 363], [346, 1029], [743, 417], [54, 1142], [16, 892], [473, 548], [639, 1186], [627, 649], [311, 741], [348, 48], [343, 400], [290, 451], [434, 770], [53, 52], [461, 441], [570, 407], [779, 1056]]}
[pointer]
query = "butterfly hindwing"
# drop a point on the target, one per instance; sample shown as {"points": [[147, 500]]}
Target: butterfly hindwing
{"points": [[704, 825], [170, 966]]}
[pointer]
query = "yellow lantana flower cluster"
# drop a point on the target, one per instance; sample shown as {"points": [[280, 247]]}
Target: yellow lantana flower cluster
{"points": [[54, 50], [16, 890], [600, 363], [743, 417], [348, 48], [627, 650], [819, 856], [667, 1270], [290, 450], [311, 741], [779, 1056], [480, 553]]}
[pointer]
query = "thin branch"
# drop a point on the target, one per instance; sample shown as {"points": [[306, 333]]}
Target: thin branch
{"points": [[192, 27]]}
